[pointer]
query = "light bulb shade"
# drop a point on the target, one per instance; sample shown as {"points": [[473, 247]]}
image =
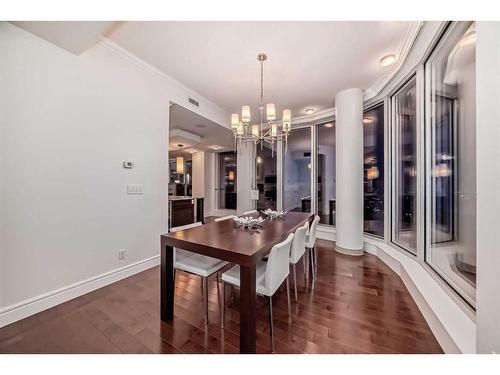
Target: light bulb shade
{"points": [[179, 165], [287, 120], [245, 113], [241, 129], [255, 130], [271, 112], [287, 115], [235, 120], [372, 173], [274, 130]]}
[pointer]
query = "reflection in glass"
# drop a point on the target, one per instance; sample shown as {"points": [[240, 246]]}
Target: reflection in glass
{"points": [[297, 171], [227, 180], [326, 173], [405, 167], [265, 167], [451, 95], [373, 134]]}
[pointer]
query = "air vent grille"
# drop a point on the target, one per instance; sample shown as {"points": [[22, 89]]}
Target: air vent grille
{"points": [[193, 102]]}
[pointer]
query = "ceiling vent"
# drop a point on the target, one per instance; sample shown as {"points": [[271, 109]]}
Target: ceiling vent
{"points": [[193, 102]]}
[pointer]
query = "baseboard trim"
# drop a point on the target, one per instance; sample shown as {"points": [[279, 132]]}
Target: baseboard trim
{"points": [[23, 309], [351, 252]]}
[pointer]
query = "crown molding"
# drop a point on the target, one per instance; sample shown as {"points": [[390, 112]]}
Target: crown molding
{"points": [[402, 53], [129, 56]]}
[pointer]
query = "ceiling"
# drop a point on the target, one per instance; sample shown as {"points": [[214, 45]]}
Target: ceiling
{"points": [[70, 35], [211, 134], [308, 62]]}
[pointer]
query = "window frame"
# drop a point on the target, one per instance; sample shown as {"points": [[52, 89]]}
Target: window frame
{"points": [[382, 102], [412, 78], [448, 33]]}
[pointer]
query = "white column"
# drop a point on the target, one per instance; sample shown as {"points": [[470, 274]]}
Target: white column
{"points": [[349, 171], [198, 175], [245, 174]]}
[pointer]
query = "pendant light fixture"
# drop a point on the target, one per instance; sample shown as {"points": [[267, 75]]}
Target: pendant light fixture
{"points": [[180, 162]]}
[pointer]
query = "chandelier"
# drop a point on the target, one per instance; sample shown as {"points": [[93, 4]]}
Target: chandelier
{"points": [[267, 131]]}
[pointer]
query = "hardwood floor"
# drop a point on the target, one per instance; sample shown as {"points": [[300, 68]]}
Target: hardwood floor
{"points": [[356, 305]]}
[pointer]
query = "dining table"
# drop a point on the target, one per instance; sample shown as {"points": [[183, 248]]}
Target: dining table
{"points": [[228, 241]]}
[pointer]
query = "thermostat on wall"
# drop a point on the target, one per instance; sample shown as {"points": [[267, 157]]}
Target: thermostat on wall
{"points": [[128, 164]]}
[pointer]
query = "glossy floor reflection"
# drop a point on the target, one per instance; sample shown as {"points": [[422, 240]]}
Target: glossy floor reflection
{"points": [[356, 305]]}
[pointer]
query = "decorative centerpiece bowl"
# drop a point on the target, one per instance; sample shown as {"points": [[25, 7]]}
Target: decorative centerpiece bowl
{"points": [[248, 222], [273, 214]]}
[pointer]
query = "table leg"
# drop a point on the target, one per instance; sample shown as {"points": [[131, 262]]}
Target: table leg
{"points": [[167, 283], [248, 301]]}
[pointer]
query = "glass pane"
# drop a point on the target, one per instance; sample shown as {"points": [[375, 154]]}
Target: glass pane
{"points": [[373, 134], [227, 180], [297, 171], [326, 173], [266, 177], [405, 172], [451, 83]]}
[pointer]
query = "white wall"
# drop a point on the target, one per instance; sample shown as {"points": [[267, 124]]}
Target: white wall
{"points": [[68, 122], [488, 186]]}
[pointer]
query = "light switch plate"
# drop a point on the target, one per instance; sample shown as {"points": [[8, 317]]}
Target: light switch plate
{"points": [[254, 194], [135, 189]]}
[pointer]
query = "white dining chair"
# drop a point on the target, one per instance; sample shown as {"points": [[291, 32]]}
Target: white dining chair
{"points": [[197, 264], [249, 212], [269, 277], [297, 251], [223, 218], [310, 244]]}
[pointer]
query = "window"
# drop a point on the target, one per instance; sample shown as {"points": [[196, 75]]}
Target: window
{"points": [[227, 180], [326, 173], [405, 167], [373, 136], [297, 171], [451, 162], [266, 177]]}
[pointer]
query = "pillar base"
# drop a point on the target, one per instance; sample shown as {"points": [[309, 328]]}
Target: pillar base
{"points": [[352, 252]]}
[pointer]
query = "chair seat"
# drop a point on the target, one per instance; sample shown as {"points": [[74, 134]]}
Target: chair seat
{"points": [[181, 254], [233, 277], [200, 265]]}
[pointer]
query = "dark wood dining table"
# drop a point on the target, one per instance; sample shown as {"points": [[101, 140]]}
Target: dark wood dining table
{"points": [[227, 241]]}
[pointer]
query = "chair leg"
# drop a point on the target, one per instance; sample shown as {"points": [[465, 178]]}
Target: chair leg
{"points": [[305, 270], [271, 322], [223, 307], [311, 261], [288, 295], [315, 256], [205, 292], [295, 281]]}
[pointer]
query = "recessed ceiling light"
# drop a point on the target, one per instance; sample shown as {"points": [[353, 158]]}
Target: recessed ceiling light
{"points": [[367, 120], [328, 125], [215, 147], [309, 111], [388, 60], [192, 151]]}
